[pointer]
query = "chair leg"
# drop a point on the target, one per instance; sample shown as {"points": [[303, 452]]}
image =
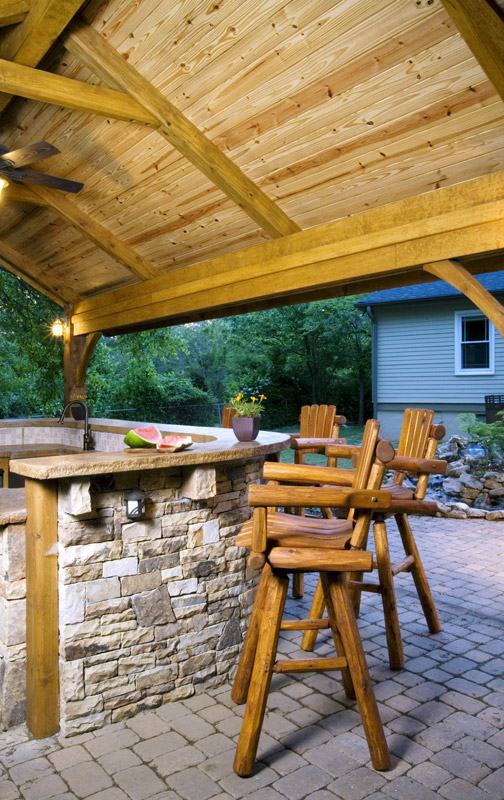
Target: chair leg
{"points": [[298, 585], [246, 664], [392, 629], [261, 675], [419, 575], [336, 585], [346, 675], [316, 612]]}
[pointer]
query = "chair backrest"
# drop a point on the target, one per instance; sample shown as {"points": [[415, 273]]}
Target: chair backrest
{"points": [[419, 439], [317, 422], [227, 414]]}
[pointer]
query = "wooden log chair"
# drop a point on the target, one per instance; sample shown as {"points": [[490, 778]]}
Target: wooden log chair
{"points": [[304, 550], [227, 415], [415, 455], [319, 426]]}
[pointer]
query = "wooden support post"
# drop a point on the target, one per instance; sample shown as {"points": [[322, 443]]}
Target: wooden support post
{"points": [[42, 673], [77, 354]]}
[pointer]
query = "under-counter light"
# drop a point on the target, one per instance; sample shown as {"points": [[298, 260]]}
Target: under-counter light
{"points": [[135, 503], [58, 328]]}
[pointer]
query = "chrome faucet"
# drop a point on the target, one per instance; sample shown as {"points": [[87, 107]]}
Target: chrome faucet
{"points": [[88, 443]]}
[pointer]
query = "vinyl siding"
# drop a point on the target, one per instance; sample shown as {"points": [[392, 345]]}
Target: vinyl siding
{"points": [[415, 356]]}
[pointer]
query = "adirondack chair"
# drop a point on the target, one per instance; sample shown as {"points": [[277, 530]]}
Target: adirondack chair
{"points": [[284, 544], [316, 422], [415, 455]]}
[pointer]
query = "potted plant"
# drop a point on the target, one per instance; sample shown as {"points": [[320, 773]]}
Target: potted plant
{"points": [[247, 416]]}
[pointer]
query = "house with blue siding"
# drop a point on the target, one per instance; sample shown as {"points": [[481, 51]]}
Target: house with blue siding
{"points": [[433, 349]]}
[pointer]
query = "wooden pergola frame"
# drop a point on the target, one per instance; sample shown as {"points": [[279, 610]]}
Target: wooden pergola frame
{"points": [[450, 233]]}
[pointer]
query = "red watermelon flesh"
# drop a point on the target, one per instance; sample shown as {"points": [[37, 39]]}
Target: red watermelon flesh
{"points": [[147, 436], [174, 441]]}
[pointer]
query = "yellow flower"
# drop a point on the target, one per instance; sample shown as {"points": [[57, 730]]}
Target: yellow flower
{"points": [[262, 397], [254, 399]]}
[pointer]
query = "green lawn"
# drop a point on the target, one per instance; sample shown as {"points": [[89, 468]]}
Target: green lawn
{"points": [[352, 433]]}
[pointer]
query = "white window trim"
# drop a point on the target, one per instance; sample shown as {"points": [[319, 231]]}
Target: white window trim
{"points": [[459, 315]]}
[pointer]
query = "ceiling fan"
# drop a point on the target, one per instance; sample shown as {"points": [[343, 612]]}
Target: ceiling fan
{"points": [[14, 167]]}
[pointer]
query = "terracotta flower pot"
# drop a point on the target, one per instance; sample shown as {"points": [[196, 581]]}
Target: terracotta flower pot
{"points": [[246, 428]]}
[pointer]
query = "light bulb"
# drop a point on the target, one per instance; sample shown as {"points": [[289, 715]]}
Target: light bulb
{"points": [[3, 184], [57, 328]]}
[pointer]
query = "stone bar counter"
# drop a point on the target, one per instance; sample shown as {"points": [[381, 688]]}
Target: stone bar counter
{"points": [[125, 615]]}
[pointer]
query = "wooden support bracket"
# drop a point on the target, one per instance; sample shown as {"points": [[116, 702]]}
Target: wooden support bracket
{"points": [[77, 354], [459, 277]]}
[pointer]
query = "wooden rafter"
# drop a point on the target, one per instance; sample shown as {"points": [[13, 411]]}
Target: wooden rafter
{"points": [[481, 24], [102, 237], [459, 277], [35, 84], [20, 265], [17, 193], [93, 50], [29, 40], [12, 11], [448, 223]]}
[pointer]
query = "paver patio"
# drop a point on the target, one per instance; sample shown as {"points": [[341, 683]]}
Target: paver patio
{"points": [[443, 714]]}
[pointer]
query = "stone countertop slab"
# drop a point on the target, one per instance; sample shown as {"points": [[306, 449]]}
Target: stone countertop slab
{"points": [[211, 445], [12, 506], [15, 451]]}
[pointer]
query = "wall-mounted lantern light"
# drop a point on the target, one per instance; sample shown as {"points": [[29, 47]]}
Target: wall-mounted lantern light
{"points": [[58, 327], [135, 503], [3, 184]]}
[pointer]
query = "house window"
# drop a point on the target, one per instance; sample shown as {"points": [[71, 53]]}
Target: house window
{"points": [[474, 344]]}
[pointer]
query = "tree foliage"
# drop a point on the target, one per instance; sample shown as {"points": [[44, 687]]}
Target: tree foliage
{"points": [[309, 353]]}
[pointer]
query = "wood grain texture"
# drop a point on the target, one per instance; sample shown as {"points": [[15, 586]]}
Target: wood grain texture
{"points": [[18, 264], [42, 621], [83, 41], [482, 26]]}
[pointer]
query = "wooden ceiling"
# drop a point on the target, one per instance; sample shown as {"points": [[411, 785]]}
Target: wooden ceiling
{"points": [[293, 114]]}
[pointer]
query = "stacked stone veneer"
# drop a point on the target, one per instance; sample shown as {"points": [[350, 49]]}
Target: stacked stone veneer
{"points": [[12, 624], [150, 610]]}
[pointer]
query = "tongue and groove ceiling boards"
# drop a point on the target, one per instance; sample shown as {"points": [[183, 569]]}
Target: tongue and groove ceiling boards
{"points": [[202, 129]]}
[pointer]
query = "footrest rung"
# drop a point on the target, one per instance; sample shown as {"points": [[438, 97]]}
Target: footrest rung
{"points": [[403, 566], [310, 665], [304, 624], [364, 586]]}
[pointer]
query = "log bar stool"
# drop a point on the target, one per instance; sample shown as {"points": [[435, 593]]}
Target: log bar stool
{"points": [[415, 455], [257, 662], [319, 426]]}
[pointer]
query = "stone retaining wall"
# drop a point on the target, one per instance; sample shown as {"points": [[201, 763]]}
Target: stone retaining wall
{"points": [[150, 610], [12, 624]]}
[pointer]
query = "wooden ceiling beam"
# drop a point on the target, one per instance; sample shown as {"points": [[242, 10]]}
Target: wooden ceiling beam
{"points": [[459, 277], [35, 84], [481, 24], [91, 49], [23, 267], [448, 223], [12, 11], [28, 41], [16, 193], [102, 237]]}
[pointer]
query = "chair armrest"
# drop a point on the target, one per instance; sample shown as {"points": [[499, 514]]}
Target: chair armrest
{"points": [[431, 466], [307, 473], [342, 450], [272, 495], [307, 444], [295, 435], [339, 419], [421, 508]]}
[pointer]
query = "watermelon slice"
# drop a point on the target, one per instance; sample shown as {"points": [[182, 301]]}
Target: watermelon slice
{"points": [[148, 436], [173, 442]]}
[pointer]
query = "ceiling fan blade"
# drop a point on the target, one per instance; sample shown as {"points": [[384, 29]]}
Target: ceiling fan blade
{"points": [[29, 154], [42, 179]]}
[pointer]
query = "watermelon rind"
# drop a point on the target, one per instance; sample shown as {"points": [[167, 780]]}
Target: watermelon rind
{"points": [[143, 437], [174, 442]]}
